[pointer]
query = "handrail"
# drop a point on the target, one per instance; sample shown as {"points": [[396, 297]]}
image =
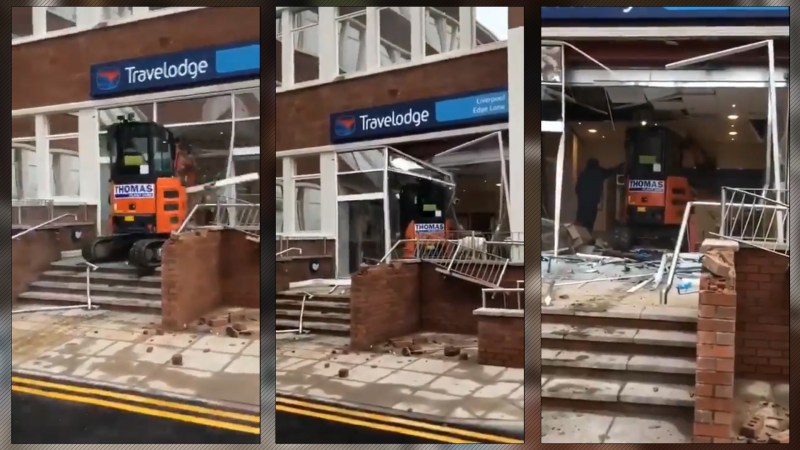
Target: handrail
{"points": [[45, 223], [299, 250], [89, 268], [210, 205], [493, 291]]}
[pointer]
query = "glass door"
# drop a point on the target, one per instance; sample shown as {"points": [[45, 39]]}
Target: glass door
{"points": [[361, 234]]}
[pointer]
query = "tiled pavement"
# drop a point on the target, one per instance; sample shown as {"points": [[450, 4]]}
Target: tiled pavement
{"points": [[124, 349], [447, 388]]}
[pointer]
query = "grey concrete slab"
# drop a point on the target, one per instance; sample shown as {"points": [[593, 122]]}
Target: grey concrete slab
{"points": [[663, 364], [575, 388], [666, 338], [571, 427], [657, 394], [650, 430]]}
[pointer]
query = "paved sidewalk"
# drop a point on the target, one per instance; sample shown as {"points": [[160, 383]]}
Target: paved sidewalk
{"points": [[126, 350], [448, 389]]}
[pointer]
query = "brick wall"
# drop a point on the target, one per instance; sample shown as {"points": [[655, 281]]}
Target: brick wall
{"points": [[384, 303], [190, 285], [32, 253], [716, 327], [501, 338], [205, 269], [762, 324], [191, 30], [448, 303], [240, 270], [293, 267]]}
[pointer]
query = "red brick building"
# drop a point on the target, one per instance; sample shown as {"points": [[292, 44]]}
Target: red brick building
{"points": [[338, 64], [60, 106]]}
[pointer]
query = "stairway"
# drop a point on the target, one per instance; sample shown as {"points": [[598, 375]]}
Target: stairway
{"points": [[622, 358], [113, 286], [327, 314]]}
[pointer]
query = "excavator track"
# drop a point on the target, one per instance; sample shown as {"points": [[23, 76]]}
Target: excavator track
{"points": [[145, 254], [109, 248]]}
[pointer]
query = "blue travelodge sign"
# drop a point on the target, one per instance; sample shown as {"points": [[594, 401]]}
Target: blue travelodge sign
{"points": [[174, 70], [663, 13], [473, 108]]}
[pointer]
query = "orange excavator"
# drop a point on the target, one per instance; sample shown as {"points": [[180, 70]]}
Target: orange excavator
{"points": [[657, 191], [150, 171]]}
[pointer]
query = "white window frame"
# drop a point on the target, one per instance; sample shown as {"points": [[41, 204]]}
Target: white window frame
{"points": [[88, 18], [89, 132], [328, 47]]}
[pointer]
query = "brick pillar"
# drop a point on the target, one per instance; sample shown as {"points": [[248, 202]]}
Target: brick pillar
{"points": [[716, 337]]}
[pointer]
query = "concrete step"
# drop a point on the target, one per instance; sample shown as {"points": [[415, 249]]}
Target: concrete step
{"points": [[626, 335], [617, 389], [316, 316], [109, 279], [122, 303], [589, 359], [620, 311], [74, 264], [141, 293], [321, 305], [298, 295], [317, 327]]}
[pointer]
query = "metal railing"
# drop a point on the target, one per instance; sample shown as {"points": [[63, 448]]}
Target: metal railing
{"points": [[517, 292], [43, 224], [244, 217], [88, 306], [756, 217], [285, 253], [299, 329], [452, 257]]}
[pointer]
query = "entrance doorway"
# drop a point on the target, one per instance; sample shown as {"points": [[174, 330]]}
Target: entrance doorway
{"points": [[369, 186], [362, 235]]}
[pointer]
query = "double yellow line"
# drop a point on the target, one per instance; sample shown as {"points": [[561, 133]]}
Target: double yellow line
{"points": [[198, 415], [388, 424]]}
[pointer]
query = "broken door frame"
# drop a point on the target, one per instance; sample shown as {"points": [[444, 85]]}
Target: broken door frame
{"points": [[773, 146]]}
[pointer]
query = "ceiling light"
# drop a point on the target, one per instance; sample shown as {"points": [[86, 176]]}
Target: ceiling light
{"points": [[734, 105], [498, 184], [732, 133], [604, 137], [592, 130], [733, 117], [644, 122]]}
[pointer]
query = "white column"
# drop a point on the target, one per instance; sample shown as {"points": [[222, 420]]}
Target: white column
{"points": [[287, 48], [516, 135], [89, 156], [39, 15], [328, 44], [88, 17], [373, 39], [44, 171], [289, 197], [330, 209], [417, 34], [466, 27]]}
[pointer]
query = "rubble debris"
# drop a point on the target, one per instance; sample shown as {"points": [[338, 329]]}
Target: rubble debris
{"points": [[768, 424], [780, 438], [159, 332], [145, 332], [401, 342], [218, 321], [177, 359], [327, 365], [463, 357], [231, 332], [149, 349], [344, 373], [239, 327], [412, 350], [452, 351]]}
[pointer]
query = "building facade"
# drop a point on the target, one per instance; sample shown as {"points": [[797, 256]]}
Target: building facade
{"points": [[194, 70], [372, 99]]}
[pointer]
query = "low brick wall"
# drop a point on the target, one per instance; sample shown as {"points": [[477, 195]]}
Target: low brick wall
{"points": [[204, 270], [317, 254], [388, 301], [32, 253], [384, 303], [762, 322], [501, 337]]}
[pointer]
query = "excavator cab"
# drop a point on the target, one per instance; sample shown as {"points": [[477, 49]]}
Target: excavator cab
{"points": [[147, 200]]}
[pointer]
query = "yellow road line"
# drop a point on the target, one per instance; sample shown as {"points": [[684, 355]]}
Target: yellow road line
{"points": [[138, 410], [138, 399], [400, 421], [374, 426]]}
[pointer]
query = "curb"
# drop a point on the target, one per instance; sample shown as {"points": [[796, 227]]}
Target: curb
{"points": [[505, 428], [176, 398]]}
